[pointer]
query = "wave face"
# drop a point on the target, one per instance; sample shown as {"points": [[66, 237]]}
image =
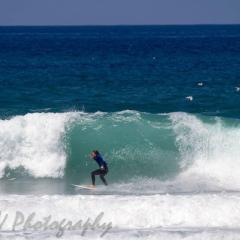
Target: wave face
{"points": [[176, 149]]}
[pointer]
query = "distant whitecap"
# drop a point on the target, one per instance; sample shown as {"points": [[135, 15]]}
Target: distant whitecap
{"points": [[200, 84], [237, 89], [189, 98]]}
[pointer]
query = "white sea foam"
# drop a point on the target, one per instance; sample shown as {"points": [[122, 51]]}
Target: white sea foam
{"points": [[34, 142], [189, 98], [177, 234], [153, 216], [210, 152]]}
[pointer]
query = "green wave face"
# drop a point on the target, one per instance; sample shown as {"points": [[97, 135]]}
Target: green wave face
{"points": [[134, 144]]}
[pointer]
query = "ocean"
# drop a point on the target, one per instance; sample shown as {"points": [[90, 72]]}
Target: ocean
{"points": [[161, 103]]}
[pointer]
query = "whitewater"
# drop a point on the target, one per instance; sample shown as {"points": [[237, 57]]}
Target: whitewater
{"points": [[171, 176]]}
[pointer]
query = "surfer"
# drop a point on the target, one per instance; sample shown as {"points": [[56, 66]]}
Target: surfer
{"points": [[102, 171]]}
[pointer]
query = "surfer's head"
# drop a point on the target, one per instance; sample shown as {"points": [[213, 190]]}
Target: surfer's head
{"points": [[95, 153]]}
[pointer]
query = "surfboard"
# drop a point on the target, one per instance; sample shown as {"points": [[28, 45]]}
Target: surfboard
{"points": [[11, 179], [88, 187]]}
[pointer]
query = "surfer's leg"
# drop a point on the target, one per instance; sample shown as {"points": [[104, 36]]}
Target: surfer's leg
{"points": [[93, 179], [103, 179], [93, 174], [103, 173]]}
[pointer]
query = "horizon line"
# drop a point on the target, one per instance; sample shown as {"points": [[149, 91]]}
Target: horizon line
{"points": [[121, 25]]}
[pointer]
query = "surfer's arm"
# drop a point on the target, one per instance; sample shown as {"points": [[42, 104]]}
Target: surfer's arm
{"points": [[100, 163]]}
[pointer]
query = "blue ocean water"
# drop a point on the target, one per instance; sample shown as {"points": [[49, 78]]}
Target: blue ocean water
{"points": [[145, 68], [161, 103]]}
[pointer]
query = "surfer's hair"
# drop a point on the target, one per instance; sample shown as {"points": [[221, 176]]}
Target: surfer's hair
{"points": [[96, 152]]}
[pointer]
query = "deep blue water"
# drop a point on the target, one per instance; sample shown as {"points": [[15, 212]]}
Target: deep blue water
{"points": [[145, 68]]}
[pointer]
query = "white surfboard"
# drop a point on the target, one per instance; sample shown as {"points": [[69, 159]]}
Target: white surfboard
{"points": [[88, 187], [11, 179]]}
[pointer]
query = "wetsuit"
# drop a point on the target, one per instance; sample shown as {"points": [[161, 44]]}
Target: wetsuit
{"points": [[102, 171]]}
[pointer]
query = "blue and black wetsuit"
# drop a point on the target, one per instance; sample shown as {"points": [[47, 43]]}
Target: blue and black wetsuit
{"points": [[102, 171]]}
